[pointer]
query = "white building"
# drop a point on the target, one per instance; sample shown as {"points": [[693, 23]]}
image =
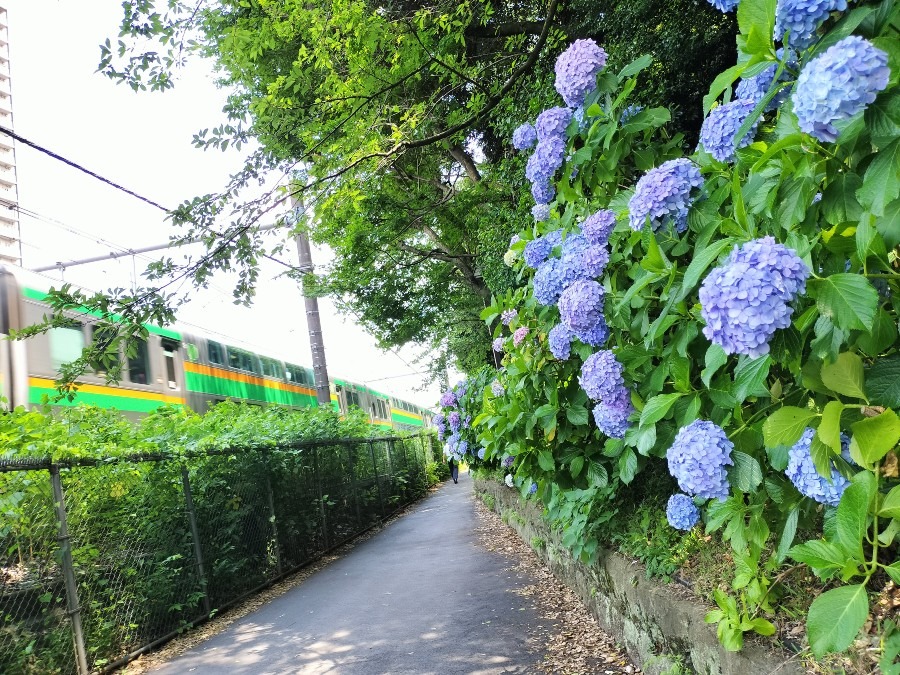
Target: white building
{"points": [[10, 233]]}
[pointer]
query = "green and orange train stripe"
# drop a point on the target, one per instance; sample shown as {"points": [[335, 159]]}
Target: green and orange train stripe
{"points": [[103, 396], [226, 383]]}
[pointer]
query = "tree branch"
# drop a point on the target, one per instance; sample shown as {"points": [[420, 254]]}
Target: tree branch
{"points": [[505, 29]]}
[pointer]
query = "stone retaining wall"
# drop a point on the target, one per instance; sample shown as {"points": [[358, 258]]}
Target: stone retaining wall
{"points": [[660, 628]]}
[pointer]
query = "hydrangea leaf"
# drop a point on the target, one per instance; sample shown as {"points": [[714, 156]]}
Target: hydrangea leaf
{"points": [[883, 335], [577, 415], [845, 376], [890, 507], [576, 465], [881, 183], [835, 618], [750, 377], [824, 558], [700, 263], [715, 359], [635, 66], [785, 426], [628, 465], [873, 437], [746, 474], [849, 300], [883, 382], [852, 512], [657, 407], [829, 431], [788, 533], [839, 203], [883, 117], [756, 20]]}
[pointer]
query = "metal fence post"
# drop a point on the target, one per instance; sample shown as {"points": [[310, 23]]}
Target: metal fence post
{"points": [[65, 545], [325, 536], [354, 485], [195, 537], [377, 477], [271, 499]]}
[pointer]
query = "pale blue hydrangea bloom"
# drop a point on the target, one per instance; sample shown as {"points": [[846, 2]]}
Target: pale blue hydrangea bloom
{"points": [[480, 453], [698, 457], [543, 193], [547, 157], [536, 251], [717, 135], [755, 88], [629, 112], [601, 376], [612, 415], [746, 299], [581, 305], [540, 212], [507, 315], [724, 5], [454, 420], [549, 281], [524, 137], [497, 388], [802, 18], [552, 123], [801, 470], [596, 335], [497, 345], [595, 259], [560, 341], [438, 421], [681, 512], [664, 195], [508, 461], [838, 84], [598, 226], [577, 69], [533, 488]]}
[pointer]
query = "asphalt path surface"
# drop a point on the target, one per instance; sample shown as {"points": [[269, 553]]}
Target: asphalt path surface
{"points": [[418, 597]]}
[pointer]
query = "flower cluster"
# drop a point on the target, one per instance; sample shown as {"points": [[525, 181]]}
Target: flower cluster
{"points": [[519, 335], [439, 423], [800, 19], [537, 250], [542, 193], [533, 489], [508, 461], [755, 88], [509, 480], [612, 415], [524, 137], [663, 195], [454, 420], [746, 300], [597, 227], [552, 123], [838, 84], [497, 388], [560, 340], [681, 512], [581, 305], [801, 470], [547, 157], [698, 457], [601, 376], [541, 211], [497, 345], [507, 316], [577, 69], [555, 275], [448, 399], [719, 130], [629, 113]]}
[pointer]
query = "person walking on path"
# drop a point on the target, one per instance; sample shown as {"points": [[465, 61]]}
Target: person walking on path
{"points": [[454, 469]]}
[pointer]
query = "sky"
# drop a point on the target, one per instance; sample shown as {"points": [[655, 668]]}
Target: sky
{"points": [[143, 142]]}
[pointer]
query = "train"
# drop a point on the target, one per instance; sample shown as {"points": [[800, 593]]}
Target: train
{"points": [[170, 367]]}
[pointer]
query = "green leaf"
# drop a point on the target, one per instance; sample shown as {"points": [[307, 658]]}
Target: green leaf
{"points": [[545, 460], [881, 184], [845, 376], [654, 260], [883, 335], [839, 203], [657, 407], [788, 534], [627, 465], [893, 571], [635, 67], [890, 507], [786, 425], [883, 118], [597, 474], [823, 557], [750, 377], [868, 241], [762, 627], [756, 20], [875, 436], [835, 618], [715, 359], [746, 474], [888, 225], [852, 514], [829, 431], [847, 299], [576, 465], [700, 263], [577, 415], [883, 382]]}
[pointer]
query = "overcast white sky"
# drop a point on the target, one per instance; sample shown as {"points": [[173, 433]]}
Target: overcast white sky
{"points": [[143, 141]]}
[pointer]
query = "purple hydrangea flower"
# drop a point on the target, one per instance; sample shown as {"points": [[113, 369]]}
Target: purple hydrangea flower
{"points": [[508, 461], [724, 5], [547, 157], [549, 281], [507, 315], [540, 212], [581, 305], [681, 512], [801, 470], [717, 135], [598, 226], [542, 193], [439, 424], [630, 112], [595, 259], [551, 124], [612, 415], [698, 457], [448, 399], [560, 340], [755, 88], [802, 18], [594, 336], [746, 300], [601, 376], [454, 419], [838, 84], [514, 239], [497, 345], [462, 448], [519, 335], [524, 137], [480, 453], [664, 194], [537, 250], [497, 388], [533, 488], [577, 69]]}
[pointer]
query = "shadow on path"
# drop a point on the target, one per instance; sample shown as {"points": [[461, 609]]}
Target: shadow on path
{"points": [[419, 597]]}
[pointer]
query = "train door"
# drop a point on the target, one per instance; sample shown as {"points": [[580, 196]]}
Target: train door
{"points": [[173, 366]]}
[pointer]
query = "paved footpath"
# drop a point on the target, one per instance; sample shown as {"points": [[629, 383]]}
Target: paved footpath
{"points": [[420, 597]]}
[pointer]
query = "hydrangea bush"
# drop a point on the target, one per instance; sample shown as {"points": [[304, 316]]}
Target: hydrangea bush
{"points": [[730, 311]]}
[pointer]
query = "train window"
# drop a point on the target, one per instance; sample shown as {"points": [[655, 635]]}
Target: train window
{"points": [[66, 343], [193, 353], [216, 353], [170, 349], [270, 367], [139, 363], [241, 359]]}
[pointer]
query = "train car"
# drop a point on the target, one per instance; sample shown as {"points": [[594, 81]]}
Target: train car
{"points": [[170, 367]]}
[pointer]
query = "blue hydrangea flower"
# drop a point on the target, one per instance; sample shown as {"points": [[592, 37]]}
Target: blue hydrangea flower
{"points": [[497, 388], [533, 488], [497, 345], [594, 336], [612, 416], [755, 88], [597, 227], [438, 421], [540, 212], [508, 461], [717, 135], [698, 457], [548, 281], [724, 5], [581, 305], [536, 251], [595, 259], [838, 84], [746, 300], [664, 195], [552, 123], [454, 419], [547, 157], [462, 448], [524, 137], [480, 453], [560, 340], [601, 376], [514, 239], [681, 512], [629, 112], [543, 193], [448, 399], [802, 18], [577, 69], [507, 315], [801, 470]]}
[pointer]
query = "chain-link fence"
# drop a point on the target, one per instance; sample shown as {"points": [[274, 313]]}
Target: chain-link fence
{"points": [[103, 559]]}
